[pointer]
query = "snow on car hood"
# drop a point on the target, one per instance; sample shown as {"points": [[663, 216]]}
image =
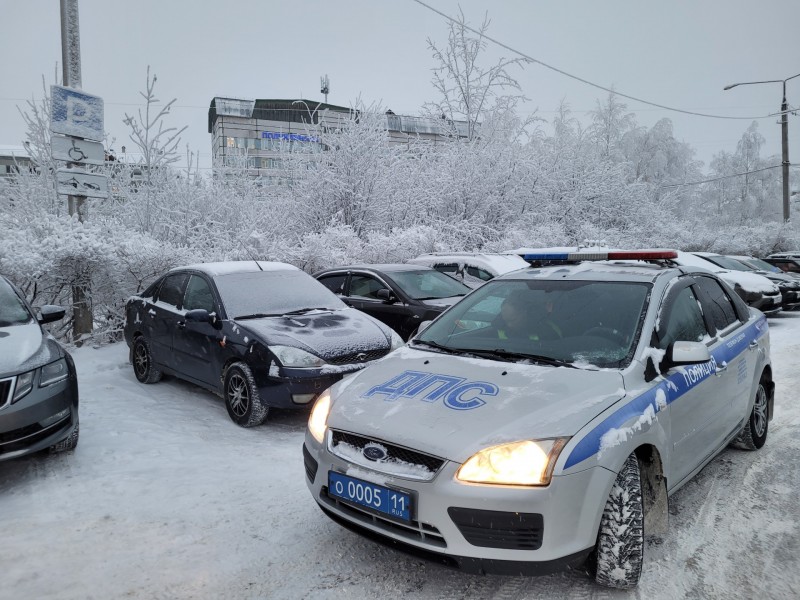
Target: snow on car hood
{"points": [[18, 343], [328, 334], [749, 282], [510, 402]]}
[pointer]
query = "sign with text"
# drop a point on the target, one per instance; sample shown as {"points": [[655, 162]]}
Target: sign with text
{"points": [[77, 151], [76, 113], [73, 182]]}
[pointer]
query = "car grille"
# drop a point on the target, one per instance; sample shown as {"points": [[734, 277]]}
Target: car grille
{"points": [[5, 391], [25, 437], [310, 464], [412, 530], [497, 529], [394, 453], [358, 357]]}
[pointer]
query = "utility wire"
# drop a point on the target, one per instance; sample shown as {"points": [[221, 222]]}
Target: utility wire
{"points": [[723, 177], [575, 77]]}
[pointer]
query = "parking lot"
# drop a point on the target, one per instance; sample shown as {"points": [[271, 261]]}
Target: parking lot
{"points": [[165, 497]]}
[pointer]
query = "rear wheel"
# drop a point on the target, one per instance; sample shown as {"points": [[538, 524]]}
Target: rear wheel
{"points": [[620, 541], [143, 362], [242, 398], [754, 433]]}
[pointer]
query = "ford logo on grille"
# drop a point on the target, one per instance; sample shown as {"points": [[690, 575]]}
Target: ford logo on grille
{"points": [[374, 452], [361, 357]]}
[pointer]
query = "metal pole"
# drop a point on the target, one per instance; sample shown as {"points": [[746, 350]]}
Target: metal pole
{"points": [[785, 153]]}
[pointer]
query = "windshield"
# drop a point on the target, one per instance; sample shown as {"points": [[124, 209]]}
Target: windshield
{"points": [[761, 264], [428, 284], [12, 310], [726, 262], [576, 322], [273, 293]]}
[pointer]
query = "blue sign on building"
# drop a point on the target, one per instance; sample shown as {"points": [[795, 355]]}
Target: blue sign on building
{"points": [[293, 137]]}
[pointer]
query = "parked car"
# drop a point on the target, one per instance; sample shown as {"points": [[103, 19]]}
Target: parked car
{"points": [[522, 454], [789, 286], [757, 291], [261, 334], [473, 269], [400, 295], [38, 383], [787, 264]]}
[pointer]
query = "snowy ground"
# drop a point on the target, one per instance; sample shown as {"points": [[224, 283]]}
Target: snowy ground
{"points": [[166, 498]]}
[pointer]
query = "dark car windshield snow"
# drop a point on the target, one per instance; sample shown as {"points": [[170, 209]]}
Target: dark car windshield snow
{"points": [[273, 293], [12, 309]]}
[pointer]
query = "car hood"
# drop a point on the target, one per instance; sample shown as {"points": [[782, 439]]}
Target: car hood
{"points": [[749, 282], [521, 401], [327, 334], [442, 303], [24, 347]]}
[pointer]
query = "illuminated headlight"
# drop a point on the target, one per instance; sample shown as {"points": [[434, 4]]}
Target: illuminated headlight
{"points": [[397, 341], [518, 463], [24, 385], [54, 372], [295, 357], [317, 422]]}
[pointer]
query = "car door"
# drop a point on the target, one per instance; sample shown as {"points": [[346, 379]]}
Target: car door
{"points": [[166, 312], [363, 295], [196, 348], [695, 402], [733, 351]]}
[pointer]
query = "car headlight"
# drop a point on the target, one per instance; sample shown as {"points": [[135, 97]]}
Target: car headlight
{"points": [[396, 341], [54, 372], [24, 385], [518, 463], [295, 357], [317, 422]]}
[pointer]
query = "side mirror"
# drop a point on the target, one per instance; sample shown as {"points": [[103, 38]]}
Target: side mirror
{"points": [[49, 313], [687, 353], [201, 315], [386, 295]]}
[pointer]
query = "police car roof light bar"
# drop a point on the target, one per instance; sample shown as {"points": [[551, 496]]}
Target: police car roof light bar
{"points": [[608, 255]]}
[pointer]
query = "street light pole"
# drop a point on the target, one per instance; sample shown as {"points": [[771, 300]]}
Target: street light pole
{"points": [[784, 137]]}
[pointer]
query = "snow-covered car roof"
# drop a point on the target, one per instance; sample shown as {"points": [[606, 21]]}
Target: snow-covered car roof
{"points": [[495, 263], [215, 269], [752, 282]]}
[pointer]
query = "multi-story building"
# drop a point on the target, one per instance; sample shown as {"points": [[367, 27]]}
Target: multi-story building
{"points": [[12, 158], [256, 134]]}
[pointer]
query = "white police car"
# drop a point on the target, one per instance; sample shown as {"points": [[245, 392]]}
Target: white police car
{"points": [[544, 420]]}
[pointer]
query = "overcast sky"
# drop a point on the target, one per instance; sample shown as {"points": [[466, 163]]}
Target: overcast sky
{"points": [[679, 54]]}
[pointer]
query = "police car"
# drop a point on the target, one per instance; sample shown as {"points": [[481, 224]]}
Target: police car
{"points": [[526, 443]]}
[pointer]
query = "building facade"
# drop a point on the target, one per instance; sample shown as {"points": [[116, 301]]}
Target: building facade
{"points": [[255, 135]]}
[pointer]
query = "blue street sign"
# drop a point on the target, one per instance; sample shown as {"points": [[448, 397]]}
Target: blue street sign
{"points": [[76, 113]]}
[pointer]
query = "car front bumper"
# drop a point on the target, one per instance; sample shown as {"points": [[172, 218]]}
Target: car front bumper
{"points": [[478, 528], [298, 387], [43, 417]]}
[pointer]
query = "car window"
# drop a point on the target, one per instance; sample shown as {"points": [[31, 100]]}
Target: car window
{"points": [[789, 266], [334, 283], [479, 273], [198, 295], [364, 286], [428, 284], [12, 309], [448, 268], [172, 289], [592, 322], [273, 293], [718, 303], [683, 320]]}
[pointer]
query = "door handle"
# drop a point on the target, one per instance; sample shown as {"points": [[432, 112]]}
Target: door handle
{"points": [[753, 345], [721, 369], [181, 324]]}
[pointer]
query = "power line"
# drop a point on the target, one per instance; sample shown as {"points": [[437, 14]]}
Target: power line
{"points": [[720, 178], [576, 78]]}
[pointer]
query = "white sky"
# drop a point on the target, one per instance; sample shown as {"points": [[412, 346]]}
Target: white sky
{"points": [[679, 54]]}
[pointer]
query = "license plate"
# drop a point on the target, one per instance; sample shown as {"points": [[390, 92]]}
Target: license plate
{"points": [[382, 499]]}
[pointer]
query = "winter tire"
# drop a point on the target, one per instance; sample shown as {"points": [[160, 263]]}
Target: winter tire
{"points": [[620, 541], [242, 398], [68, 443], [754, 433], [143, 362]]}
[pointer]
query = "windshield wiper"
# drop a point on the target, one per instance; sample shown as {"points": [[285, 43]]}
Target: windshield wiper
{"points": [[441, 297], [253, 316], [438, 346], [302, 311], [539, 358]]}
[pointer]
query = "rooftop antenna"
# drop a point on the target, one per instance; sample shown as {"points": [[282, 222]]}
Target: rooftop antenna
{"points": [[324, 86]]}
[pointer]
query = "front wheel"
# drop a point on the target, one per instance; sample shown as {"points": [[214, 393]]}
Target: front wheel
{"points": [[754, 433], [620, 541], [143, 362], [242, 398]]}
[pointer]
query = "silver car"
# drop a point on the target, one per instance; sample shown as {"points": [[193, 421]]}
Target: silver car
{"points": [[544, 420]]}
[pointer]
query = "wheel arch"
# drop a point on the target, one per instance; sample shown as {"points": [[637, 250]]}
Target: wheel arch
{"points": [[655, 499]]}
